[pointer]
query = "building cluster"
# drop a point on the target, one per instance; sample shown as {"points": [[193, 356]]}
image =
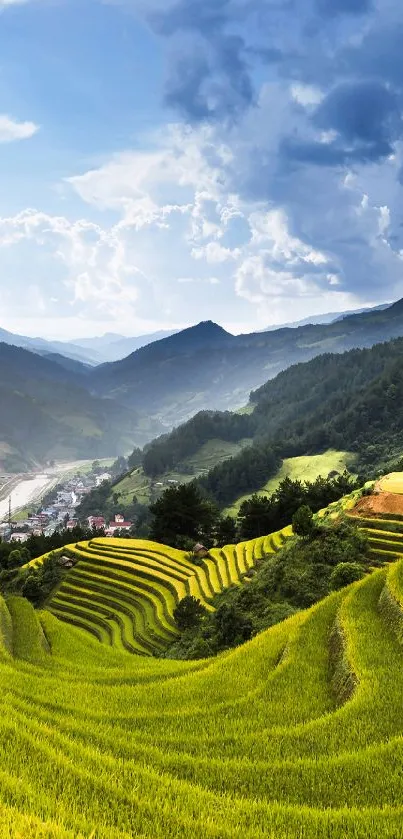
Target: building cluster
{"points": [[61, 513], [119, 523]]}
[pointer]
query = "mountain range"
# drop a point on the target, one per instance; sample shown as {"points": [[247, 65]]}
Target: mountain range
{"points": [[349, 403], [47, 414], [89, 351], [59, 406], [329, 317], [113, 347], [206, 367]]}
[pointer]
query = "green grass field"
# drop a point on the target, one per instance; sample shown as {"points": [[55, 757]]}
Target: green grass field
{"points": [[298, 734], [306, 468]]}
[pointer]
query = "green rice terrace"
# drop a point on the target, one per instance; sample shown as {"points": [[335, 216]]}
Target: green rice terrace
{"points": [[297, 734]]}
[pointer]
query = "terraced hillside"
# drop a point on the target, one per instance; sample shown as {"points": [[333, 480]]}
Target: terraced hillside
{"points": [[124, 591], [296, 734]]}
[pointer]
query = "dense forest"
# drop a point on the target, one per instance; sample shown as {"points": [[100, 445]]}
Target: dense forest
{"points": [[352, 401]]}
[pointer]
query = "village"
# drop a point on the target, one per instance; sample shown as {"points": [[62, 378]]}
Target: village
{"points": [[57, 511]]}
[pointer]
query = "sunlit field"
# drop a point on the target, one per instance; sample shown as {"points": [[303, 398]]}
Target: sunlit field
{"points": [[297, 733]]}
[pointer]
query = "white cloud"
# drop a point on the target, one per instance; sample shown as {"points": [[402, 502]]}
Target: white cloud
{"points": [[185, 245], [208, 280], [146, 187], [89, 265], [11, 129], [282, 296], [271, 228], [214, 252]]}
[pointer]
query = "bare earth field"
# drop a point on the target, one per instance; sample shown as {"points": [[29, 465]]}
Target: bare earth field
{"points": [[387, 498]]}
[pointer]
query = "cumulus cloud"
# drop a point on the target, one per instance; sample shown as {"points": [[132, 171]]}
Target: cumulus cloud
{"points": [[279, 185], [210, 77], [11, 129], [90, 268]]}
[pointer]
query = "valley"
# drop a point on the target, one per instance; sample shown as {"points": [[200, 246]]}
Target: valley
{"points": [[57, 407], [250, 678], [201, 419], [105, 625], [146, 489]]}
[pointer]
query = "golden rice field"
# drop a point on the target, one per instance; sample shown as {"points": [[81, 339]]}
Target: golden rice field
{"points": [[298, 734], [124, 591], [392, 483]]}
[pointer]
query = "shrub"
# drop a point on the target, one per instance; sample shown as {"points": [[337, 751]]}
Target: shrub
{"points": [[346, 573], [302, 521], [188, 613], [231, 626]]}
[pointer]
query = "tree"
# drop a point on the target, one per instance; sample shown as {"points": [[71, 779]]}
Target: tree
{"points": [[188, 613], [32, 588], [119, 467], [225, 531], [135, 459], [182, 515], [15, 559], [231, 626], [256, 517], [302, 522], [346, 573], [25, 555]]}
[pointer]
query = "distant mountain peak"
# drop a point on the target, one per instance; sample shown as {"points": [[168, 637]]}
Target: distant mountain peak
{"points": [[397, 307], [203, 334], [207, 327]]}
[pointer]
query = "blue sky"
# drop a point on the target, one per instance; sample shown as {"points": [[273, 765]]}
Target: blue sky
{"points": [[168, 161]]}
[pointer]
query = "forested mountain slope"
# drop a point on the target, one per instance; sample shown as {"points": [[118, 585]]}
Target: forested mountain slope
{"points": [[46, 413], [53, 407], [352, 401]]}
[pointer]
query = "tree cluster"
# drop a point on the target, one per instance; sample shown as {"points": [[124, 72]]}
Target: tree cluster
{"points": [[169, 450], [247, 471], [262, 514], [12, 555], [303, 572], [184, 514]]}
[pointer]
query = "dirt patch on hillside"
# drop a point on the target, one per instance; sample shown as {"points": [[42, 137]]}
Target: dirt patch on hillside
{"points": [[379, 504]]}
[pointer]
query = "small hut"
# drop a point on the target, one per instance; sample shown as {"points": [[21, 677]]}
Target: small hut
{"points": [[67, 561], [200, 551]]}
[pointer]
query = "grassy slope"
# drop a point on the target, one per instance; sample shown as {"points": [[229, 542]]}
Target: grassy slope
{"points": [[306, 468], [212, 453], [265, 742]]}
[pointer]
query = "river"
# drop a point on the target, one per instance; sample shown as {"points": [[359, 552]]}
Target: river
{"points": [[25, 492]]}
